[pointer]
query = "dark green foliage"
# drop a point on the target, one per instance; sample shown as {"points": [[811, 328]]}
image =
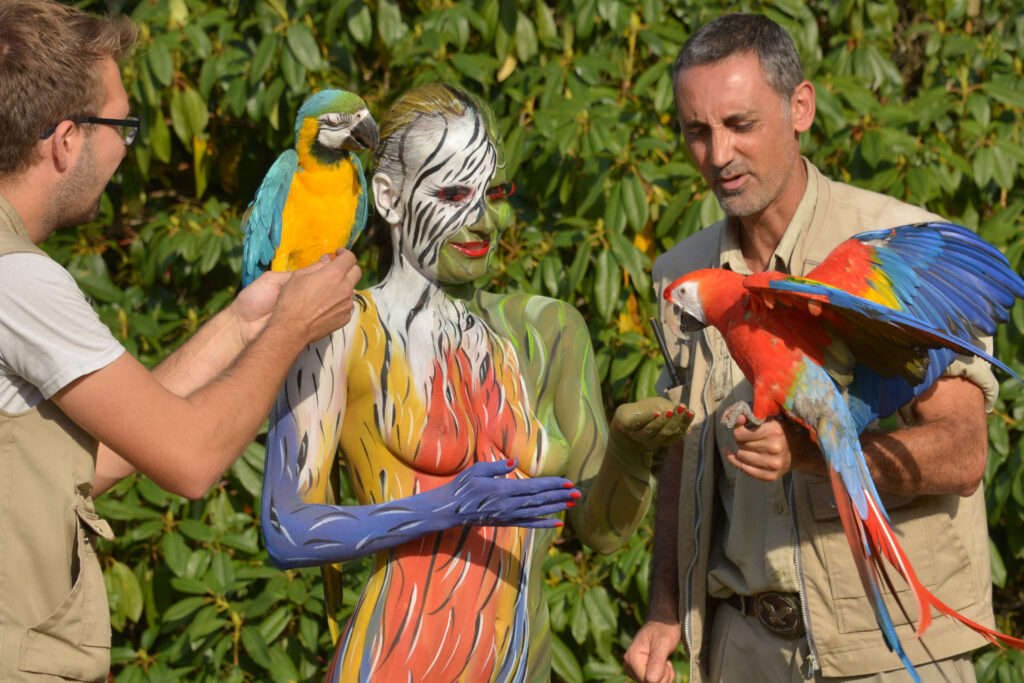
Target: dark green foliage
{"points": [[921, 99]]}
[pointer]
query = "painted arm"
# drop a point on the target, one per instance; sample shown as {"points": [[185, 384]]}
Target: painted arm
{"points": [[301, 530], [612, 467], [648, 658]]}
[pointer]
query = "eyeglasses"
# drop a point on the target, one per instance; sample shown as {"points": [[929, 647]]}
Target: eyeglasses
{"points": [[127, 128]]}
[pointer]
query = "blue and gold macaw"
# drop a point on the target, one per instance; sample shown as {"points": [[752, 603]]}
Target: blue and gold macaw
{"points": [[313, 199]]}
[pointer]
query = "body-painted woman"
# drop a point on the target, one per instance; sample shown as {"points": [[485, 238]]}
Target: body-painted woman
{"points": [[458, 414]]}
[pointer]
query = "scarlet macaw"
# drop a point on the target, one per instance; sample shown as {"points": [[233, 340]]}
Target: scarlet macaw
{"points": [[313, 199], [870, 328]]}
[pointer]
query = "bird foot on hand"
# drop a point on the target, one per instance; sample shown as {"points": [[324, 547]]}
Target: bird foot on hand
{"points": [[733, 412]]}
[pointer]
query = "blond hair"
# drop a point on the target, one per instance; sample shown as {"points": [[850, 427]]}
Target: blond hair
{"points": [[49, 70], [431, 101]]}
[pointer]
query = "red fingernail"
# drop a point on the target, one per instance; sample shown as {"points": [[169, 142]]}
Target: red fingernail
{"points": [[680, 410], [567, 485], [570, 504], [575, 494], [511, 462], [657, 415], [689, 414], [559, 524]]}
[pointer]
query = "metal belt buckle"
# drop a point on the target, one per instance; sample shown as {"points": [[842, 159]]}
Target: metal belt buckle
{"points": [[780, 614]]}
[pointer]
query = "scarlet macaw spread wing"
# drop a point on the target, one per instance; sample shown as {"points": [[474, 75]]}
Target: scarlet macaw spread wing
{"points": [[927, 270], [262, 222], [889, 296]]}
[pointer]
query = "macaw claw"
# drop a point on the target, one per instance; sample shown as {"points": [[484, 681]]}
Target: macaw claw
{"points": [[733, 412]]}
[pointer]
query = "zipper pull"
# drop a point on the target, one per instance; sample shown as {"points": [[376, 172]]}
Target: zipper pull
{"points": [[812, 666]]}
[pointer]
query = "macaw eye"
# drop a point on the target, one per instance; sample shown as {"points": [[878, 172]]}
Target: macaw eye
{"points": [[455, 193], [500, 192], [334, 119]]}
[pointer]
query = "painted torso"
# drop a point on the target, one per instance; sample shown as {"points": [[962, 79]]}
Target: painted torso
{"points": [[431, 390]]}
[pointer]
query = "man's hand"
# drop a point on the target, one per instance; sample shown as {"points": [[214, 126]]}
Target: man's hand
{"points": [[647, 659], [769, 450], [647, 425], [317, 300], [254, 304]]}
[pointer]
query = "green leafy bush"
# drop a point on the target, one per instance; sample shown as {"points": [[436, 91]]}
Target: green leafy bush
{"points": [[921, 99]]}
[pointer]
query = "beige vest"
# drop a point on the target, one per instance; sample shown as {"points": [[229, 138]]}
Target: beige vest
{"points": [[944, 536], [54, 618]]}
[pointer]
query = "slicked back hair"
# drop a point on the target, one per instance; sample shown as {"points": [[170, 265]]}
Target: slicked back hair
{"points": [[49, 70], [740, 33]]}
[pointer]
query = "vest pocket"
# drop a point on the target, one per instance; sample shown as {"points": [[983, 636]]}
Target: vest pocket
{"points": [[74, 641], [929, 539]]}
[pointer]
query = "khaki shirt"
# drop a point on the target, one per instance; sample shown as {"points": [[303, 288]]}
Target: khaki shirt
{"points": [[741, 535]]}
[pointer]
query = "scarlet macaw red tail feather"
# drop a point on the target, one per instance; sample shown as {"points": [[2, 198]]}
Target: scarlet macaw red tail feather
{"points": [[865, 558], [873, 538]]}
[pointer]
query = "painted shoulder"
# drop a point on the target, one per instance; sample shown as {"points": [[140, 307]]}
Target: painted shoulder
{"points": [[542, 311]]}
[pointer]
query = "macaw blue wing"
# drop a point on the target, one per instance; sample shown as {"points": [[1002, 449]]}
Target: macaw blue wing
{"points": [[262, 222], [905, 301], [362, 207]]}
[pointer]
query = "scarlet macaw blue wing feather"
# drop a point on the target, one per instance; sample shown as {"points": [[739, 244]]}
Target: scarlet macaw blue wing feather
{"points": [[261, 225], [856, 321]]}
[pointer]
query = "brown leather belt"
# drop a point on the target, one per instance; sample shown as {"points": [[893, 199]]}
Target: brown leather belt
{"points": [[777, 612]]}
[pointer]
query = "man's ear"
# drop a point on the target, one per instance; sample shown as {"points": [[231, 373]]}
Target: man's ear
{"points": [[63, 145], [387, 198], [801, 107]]}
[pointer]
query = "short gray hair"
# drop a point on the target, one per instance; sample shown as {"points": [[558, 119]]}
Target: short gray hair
{"points": [[738, 33]]}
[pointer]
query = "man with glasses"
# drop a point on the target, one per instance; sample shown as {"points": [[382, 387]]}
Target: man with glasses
{"points": [[67, 384], [127, 128]]}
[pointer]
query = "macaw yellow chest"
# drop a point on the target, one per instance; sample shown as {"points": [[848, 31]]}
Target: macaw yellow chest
{"points": [[318, 216]]}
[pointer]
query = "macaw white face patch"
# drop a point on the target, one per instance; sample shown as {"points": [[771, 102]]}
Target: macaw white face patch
{"points": [[448, 164]]}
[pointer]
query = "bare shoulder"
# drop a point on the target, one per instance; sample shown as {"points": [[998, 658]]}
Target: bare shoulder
{"points": [[549, 317]]}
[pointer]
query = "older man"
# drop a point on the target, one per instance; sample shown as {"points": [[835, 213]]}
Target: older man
{"points": [[751, 567]]}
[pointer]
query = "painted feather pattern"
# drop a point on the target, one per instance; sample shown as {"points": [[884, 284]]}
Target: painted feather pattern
{"points": [[872, 327]]}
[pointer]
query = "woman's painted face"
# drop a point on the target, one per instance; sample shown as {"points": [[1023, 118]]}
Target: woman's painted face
{"points": [[455, 206]]}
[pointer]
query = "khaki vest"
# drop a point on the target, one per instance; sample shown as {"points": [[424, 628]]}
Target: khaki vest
{"points": [[944, 536], [54, 618]]}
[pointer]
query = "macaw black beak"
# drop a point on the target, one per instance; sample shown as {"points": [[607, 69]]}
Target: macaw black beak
{"points": [[364, 136], [687, 323]]}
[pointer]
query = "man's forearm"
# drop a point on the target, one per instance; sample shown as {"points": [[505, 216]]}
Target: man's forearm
{"points": [[943, 454], [202, 357]]}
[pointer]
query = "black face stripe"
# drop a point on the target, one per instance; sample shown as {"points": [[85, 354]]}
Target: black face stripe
{"points": [[428, 221]]}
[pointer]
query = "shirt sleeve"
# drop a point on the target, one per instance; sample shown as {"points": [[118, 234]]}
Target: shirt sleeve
{"points": [[49, 333], [978, 371]]}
